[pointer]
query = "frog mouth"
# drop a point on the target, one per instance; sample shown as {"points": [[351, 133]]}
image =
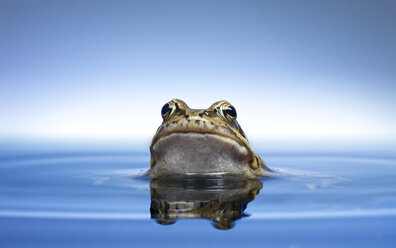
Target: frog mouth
{"points": [[199, 126], [198, 153]]}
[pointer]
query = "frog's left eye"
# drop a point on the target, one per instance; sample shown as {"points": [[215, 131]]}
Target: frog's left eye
{"points": [[168, 109], [229, 112]]}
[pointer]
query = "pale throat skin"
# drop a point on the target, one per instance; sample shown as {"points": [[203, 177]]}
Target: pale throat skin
{"points": [[202, 142]]}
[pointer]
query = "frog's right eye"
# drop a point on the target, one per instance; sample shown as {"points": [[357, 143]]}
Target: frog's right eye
{"points": [[168, 109], [165, 109]]}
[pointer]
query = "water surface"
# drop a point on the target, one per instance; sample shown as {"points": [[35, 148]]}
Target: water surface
{"points": [[78, 198]]}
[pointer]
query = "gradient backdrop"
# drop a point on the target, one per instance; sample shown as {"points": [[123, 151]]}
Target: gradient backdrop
{"points": [[294, 70]]}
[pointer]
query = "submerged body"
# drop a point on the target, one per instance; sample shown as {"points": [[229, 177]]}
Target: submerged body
{"points": [[202, 142]]}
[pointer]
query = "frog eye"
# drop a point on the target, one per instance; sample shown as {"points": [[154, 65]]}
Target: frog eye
{"points": [[229, 112], [168, 109]]}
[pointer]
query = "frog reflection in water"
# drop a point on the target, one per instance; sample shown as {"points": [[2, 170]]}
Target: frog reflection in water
{"points": [[202, 142], [221, 200]]}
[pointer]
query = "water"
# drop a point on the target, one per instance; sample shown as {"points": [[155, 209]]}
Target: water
{"points": [[92, 198]]}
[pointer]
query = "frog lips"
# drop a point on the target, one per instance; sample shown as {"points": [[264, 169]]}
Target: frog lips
{"points": [[221, 135], [198, 126]]}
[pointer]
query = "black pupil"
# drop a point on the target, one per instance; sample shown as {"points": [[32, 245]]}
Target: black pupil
{"points": [[165, 109], [231, 111]]}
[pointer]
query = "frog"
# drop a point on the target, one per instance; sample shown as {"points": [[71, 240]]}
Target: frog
{"points": [[203, 143]]}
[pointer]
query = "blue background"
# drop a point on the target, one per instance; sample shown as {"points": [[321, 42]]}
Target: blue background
{"points": [[294, 70]]}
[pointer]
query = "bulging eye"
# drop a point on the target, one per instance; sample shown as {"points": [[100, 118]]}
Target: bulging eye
{"points": [[229, 112], [167, 110]]}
